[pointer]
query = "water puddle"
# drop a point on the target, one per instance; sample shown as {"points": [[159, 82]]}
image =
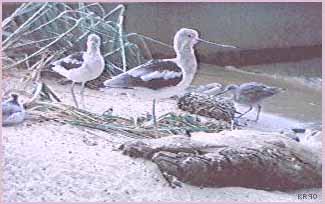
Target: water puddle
{"points": [[298, 104]]}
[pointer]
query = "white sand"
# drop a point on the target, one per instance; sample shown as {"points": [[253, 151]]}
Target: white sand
{"points": [[49, 161]]}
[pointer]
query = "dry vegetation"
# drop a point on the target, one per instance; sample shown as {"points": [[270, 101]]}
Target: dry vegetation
{"points": [[38, 33]]}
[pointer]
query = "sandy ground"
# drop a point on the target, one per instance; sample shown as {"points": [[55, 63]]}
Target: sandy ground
{"points": [[49, 161]]}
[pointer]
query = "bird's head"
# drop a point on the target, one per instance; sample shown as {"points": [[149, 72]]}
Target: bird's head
{"points": [[14, 97], [185, 39], [231, 87], [93, 42]]}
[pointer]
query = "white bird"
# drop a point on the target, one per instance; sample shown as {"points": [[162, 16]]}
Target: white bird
{"points": [[162, 78], [82, 66], [12, 111]]}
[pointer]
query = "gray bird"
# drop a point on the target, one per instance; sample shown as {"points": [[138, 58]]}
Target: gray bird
{"points": [[251, 94], [12, 112]]}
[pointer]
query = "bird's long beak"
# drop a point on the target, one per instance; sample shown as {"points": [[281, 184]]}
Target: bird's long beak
{"points": [[212, 43]]}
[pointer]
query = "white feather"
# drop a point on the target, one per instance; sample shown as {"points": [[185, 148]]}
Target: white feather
{"points": [[165, 75], [61, 70]]}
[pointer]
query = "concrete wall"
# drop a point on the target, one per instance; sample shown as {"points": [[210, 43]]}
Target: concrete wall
{"points": [[248, 25], [251, 26]]}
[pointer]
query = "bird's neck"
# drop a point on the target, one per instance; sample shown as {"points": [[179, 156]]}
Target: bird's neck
{"points": [[183, 49], [186, 57], [187, 61], [93, 50]]}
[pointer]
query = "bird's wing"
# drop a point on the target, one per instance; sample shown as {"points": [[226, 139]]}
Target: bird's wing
{"points": [[71, 61], [14, 118], [8, 108], [256, 90], [155, 74]]}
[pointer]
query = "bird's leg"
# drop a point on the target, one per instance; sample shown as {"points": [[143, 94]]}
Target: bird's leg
{"points": [[250, 108], [259, 108], [73, 95], [153, 121], [135, 116], [154, 112], [232, 124], [82, 94], [135, 121]]}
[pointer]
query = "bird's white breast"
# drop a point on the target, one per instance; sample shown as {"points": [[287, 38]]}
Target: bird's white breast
{"points": [[94, 64]]}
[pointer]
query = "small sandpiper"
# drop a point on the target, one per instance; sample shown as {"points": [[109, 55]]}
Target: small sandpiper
{"points": [[251, 94]]}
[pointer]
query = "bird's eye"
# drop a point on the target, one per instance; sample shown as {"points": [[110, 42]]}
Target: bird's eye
{"points": [[189, 35]]}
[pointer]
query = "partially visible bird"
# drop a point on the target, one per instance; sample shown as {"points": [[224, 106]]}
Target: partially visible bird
{"points": [[82, 66], [108, 112], [209, 89], [251, 94], [12, 111]]}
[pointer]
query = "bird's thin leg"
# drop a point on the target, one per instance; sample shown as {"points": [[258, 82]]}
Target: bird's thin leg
{"points": [[250, 108], [82, 94], [259, 108], [135, 116], [232, 124], [135, 121], [73, 95], [154, 112]]}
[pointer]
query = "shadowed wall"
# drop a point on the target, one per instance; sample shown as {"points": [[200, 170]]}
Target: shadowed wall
{"points": [[265, 32]]}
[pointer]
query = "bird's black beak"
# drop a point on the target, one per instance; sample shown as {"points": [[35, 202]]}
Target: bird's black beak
{"points": [[217, 44]]}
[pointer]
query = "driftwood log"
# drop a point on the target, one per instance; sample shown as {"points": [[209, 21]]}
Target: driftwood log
{"points": [[244, 158], [207, 105]]}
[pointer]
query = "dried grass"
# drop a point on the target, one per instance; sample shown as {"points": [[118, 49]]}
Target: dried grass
{"points": [[38, 33], [169, 124], [58, 29]]}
